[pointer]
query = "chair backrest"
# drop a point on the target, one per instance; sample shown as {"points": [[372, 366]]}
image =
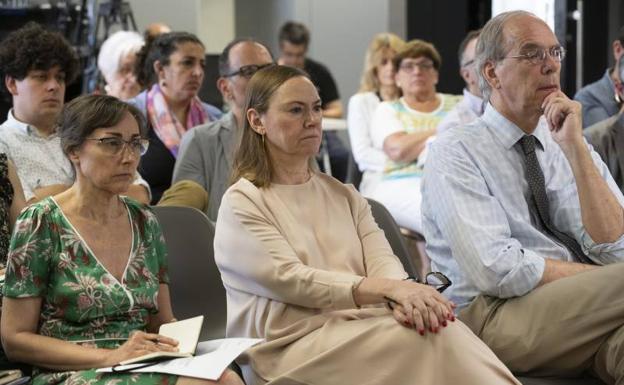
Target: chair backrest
{"points": [[393, 235], [194, 279]]}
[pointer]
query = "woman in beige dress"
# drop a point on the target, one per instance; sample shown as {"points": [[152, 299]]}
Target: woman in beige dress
{"points": [[306, 267]]}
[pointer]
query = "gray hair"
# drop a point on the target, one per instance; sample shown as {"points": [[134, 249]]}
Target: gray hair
{"points": [[492, 47], [115, 48]]}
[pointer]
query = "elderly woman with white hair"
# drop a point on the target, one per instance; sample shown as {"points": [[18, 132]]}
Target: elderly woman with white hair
{"points": [[116, 62]]}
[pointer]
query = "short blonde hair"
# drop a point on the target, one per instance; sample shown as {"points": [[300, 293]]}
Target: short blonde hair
{"points": [[252, 160], [380, 43]]}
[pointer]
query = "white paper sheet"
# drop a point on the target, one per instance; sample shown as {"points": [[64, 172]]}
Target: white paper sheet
{"points": [[210, 360]]}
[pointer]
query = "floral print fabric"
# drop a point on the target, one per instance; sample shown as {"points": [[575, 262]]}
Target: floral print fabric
{"points": [[82, 302]]}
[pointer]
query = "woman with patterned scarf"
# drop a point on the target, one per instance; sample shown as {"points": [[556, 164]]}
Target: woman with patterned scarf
{"points": [[171, 68]]}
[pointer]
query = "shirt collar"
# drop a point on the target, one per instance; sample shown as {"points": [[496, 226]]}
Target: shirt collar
{"points": [[25, 128], [13, 122], [474, 102], [507, 132]]}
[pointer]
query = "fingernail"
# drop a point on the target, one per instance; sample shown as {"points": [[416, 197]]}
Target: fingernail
{"points": [[406, 323], [421, 332], [431, 330], [444, 323], [453, 318]]}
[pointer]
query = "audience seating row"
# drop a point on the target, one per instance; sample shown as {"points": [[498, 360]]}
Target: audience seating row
{"points": [[195, 282]]}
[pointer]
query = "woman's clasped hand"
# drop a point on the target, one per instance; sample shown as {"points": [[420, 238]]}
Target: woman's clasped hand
{"points": [[420, 306]]}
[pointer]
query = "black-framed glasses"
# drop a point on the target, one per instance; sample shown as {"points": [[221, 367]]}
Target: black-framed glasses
{"points": [[538, 55], [113, 145], [437, 280], [249, 70]]}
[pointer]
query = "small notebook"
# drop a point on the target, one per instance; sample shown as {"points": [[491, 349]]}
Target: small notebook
{"points": [[186, 332]]}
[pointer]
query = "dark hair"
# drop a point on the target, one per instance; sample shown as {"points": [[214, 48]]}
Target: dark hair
{"points": [[34, 48], [83, 115], [224, 57], [417, 48], [252, 161], [294, 33], [620, 35], [464, 43], [159, 49]]}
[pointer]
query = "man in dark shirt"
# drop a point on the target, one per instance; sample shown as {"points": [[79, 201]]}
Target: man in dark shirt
{"points": [[294, 39]]}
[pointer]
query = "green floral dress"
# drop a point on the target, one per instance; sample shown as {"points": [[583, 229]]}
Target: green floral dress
{"points": [[82, 302]]}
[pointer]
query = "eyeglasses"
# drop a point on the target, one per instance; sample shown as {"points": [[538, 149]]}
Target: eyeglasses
{"points": [[249, 70], [438, 280], [538, 55], [411, 66], [114, 146]]}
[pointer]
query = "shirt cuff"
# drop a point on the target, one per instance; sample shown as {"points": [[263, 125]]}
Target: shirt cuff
{"points": [[342, 292], [603, 253], [524, 277]]}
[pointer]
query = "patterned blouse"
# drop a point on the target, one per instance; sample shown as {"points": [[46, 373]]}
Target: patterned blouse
{"points": [[82, 301]]}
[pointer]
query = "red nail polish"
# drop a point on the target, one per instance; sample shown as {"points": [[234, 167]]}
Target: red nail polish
{"points": [[421, 332], [444, 323]]}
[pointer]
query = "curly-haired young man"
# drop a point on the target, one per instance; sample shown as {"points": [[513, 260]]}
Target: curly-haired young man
{"points": [[35, 66]]}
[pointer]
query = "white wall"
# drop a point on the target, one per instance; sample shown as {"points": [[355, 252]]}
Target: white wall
{"points": [[341, 29], [211, 20]]}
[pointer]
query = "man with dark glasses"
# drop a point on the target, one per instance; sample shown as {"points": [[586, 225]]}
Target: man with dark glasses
{"points": [[206, 151]]}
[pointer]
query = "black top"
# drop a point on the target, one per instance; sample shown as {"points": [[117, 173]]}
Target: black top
{"points": [[6, 198], [161, 161], [323, 80]]}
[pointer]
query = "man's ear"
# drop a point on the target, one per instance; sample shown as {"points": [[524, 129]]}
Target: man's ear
{"points": [[489, 73], [11, 84], [255, 121], [223, 85]]}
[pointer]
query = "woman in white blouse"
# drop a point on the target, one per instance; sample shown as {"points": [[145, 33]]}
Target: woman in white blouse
{"points": [[377, 85]]}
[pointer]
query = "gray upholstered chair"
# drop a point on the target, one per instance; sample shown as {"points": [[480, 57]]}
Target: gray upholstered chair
{"points": [[393, 235], [195, 282]]}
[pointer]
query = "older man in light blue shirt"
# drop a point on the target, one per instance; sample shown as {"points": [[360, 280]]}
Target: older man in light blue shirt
{"points": [[524, 259]]}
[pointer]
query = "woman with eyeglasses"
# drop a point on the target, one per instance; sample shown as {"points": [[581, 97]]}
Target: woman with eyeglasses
{"points": [[402, 127], [306, 268], [86, 282], [171, 69]]}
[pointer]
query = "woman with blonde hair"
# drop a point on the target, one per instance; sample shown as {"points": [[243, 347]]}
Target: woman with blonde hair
{"points": [[306, 268], [377, 85]]}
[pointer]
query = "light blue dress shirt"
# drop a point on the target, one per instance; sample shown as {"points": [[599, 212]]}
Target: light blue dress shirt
{"points": [[476, 219]]}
